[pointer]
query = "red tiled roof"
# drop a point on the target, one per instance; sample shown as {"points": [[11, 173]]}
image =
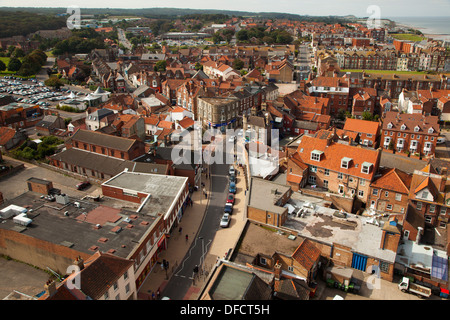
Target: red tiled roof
{"points": [[6, 134], [101, 271], [165, 124], [333, 153], [186, 122], [363, 126], [393, 179], [307, 254]]}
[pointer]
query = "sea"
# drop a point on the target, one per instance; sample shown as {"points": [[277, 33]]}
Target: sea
{"points": [[436, 27]]}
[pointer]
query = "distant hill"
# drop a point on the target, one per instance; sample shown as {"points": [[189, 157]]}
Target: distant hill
{"points": [[15, 23], [179, 12]]}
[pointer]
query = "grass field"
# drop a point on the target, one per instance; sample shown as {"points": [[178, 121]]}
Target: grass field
{"points": [[384, 71], [6, 61], [7, 72], [407, 36]]}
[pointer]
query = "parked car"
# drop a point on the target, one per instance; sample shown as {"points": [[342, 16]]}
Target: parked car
{"points": [[232, 187], [441, 140], [83, 185], [230, 198], [233, 179], [228, 208], [225, 221], [232, 171]]}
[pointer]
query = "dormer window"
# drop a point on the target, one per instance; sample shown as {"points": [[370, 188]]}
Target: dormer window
{"points": [[365, 168], [345, 163], [316, 155], [431, 130], [389, 125], [416, 129], [403, 127]]}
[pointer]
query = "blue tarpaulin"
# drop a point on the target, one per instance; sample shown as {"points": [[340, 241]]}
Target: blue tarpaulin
{"points": [[439, 268]]}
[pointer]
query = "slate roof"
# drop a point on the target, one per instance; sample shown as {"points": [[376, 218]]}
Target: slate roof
{"points": [[103, 140], [107, 165]]}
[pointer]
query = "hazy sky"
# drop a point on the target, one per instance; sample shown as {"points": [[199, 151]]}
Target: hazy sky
{"points": [[388, 8]]}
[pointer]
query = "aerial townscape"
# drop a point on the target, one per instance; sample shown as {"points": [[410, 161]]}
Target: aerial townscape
{"points": [[181, 154]]}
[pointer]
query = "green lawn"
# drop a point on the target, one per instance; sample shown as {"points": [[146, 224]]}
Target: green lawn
{"points": [[384, 71], [407, 36], [8, 73]]}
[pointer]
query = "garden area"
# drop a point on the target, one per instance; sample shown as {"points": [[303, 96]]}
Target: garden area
{"points": [[31, 150]]}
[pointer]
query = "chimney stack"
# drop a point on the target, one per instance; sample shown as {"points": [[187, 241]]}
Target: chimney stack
{"points": [[50, 287], [277, 271], [79, 262]]}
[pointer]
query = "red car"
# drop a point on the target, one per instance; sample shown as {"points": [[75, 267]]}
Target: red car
{"points": [[230, 198], [83, 185]]}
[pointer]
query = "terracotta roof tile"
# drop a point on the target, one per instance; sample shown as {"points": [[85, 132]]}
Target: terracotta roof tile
{"points": [[363, 126], [307, 254], [333, 153]]}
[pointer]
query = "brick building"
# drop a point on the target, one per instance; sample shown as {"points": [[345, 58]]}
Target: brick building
{"points": [[368, 131], [389, 192], [336, 89], [340, 168], [412, 133], [112, 146], [429, 195], [266, 200]]}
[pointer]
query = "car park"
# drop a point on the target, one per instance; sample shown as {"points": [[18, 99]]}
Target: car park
{"points": [[228, 208], [225, 221]]}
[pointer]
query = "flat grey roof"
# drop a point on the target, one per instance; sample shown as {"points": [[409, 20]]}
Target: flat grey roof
{"points": [[77, 230], [162, 189], [261, 195]]}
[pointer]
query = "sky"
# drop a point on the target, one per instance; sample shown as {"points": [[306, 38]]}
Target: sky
{"points": [[359, 8]]}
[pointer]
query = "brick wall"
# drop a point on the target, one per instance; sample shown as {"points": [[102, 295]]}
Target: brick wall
{"points": [[37, 252], [266, 217], [381, 201], [341, 255]]}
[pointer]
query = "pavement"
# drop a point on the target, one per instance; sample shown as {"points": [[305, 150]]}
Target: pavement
{"points": [[178, 247]]}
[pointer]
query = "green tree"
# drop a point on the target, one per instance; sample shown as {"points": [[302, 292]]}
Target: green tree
{"points": [[238, 64], [161, 65], [366, 115], [198, 66], [18, 53], [14, 64], [2, 66], [54, 82]]}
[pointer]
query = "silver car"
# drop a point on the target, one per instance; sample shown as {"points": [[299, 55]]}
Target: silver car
{"points": [[225, 221]]}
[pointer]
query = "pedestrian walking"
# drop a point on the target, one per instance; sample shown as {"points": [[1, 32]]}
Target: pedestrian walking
{"points": [[180, 230], [187, 238], [158, 295], [153, 296]]}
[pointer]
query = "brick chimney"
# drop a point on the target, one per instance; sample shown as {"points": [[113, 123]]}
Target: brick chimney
{"points": [[277, 271], [50, 287], [79, 262]]}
